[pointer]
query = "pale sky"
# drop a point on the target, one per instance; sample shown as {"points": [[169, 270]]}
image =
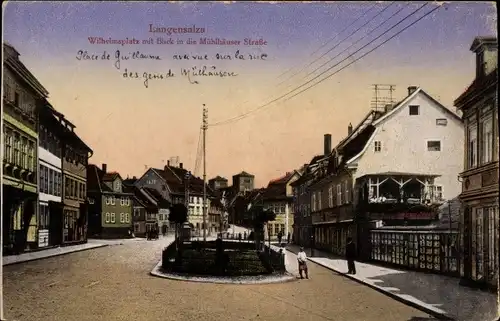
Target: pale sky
{"points": [[130, 126]]}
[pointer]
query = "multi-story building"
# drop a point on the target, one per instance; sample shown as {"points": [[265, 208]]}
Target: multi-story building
{"points": [[145, 209], [217, 183], [302, 224], [74, 169], [479, 217], [394, 157], [178, 185], [215, 216], [50, 182], [278, 198], [110, 207], [21, 94], [243, 182]]}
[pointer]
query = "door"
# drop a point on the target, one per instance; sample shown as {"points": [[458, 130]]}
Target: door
{"points": [[55, 223]]}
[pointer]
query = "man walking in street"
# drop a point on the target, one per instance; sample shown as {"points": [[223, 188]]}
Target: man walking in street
{"points": [[350, 254], [288, 238], [280, 236], [302, 260]]}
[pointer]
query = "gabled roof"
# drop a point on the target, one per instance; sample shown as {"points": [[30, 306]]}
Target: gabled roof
{"points": [[129, 181], [245, 174], [358, 147], [283, 179], [11, 59], [140, 197], [111, 176], [477, 87], [175, 178], [408, 99], [219, 178], [95, 180], [484, 40], [156, 196]]}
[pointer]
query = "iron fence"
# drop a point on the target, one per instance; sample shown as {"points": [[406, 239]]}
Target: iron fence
{"points": [[431, 251]]}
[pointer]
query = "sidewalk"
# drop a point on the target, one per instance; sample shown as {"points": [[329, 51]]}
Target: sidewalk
{"points": [[42, 254], [438, 295]]}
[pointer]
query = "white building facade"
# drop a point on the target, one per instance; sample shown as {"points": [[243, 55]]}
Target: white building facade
{"points": [[50, 182], [419, 140]]}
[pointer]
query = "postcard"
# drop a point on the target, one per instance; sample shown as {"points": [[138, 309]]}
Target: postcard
{"points": [[238, 160]]}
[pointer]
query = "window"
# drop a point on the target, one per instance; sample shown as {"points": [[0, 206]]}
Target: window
{"points": [[330, 196], [313, 201], [339, 194], [51, 181], [31, 156], [108, 218], [127, 218], [107, 200], [67, 187], [487, 140], [113, 218], [378, 146], [414, 110], [282, 208], [44, 217], [122, 218], [46, 180], [42, 179], [346, 192], [112, 201], [17, 142], [8, 144], [91, 201], [441, 122], [16, 99], [472, 147], [438, 192], [434, 145], [320, 204], [122, 201]]}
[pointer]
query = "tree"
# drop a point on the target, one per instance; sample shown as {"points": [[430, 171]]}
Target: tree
{"points": [[260, 218], [178, 215]]}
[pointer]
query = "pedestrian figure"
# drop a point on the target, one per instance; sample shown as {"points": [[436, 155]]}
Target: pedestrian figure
{"points": [[302, 260], [239, 237], [245, 235], [288, 238], [280, 236], [350, 254]]}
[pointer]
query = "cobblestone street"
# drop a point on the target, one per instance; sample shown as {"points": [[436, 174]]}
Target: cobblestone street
{"points": [[113, 283]]}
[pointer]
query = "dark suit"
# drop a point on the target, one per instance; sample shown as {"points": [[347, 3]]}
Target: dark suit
{"points": [[350, 254]]}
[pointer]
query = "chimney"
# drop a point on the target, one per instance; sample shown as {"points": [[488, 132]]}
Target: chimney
{"points": [[387, 108], [165, 168], [327, 144], [168, 162], [104, 167], [349, 129], [180, 165], [134, 177], [411, 90]]}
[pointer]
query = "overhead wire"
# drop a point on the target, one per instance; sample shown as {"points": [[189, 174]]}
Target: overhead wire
{"points": [[329, 41], [357, 41], [341, 41], [317, 50], [244, 115], [368, 52]]}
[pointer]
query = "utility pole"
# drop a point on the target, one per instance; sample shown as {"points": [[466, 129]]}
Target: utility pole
{"points": [[205, 126]]}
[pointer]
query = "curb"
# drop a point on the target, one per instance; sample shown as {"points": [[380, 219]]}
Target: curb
{"points": [[199, 279], [437, 315], [54, 255]]}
